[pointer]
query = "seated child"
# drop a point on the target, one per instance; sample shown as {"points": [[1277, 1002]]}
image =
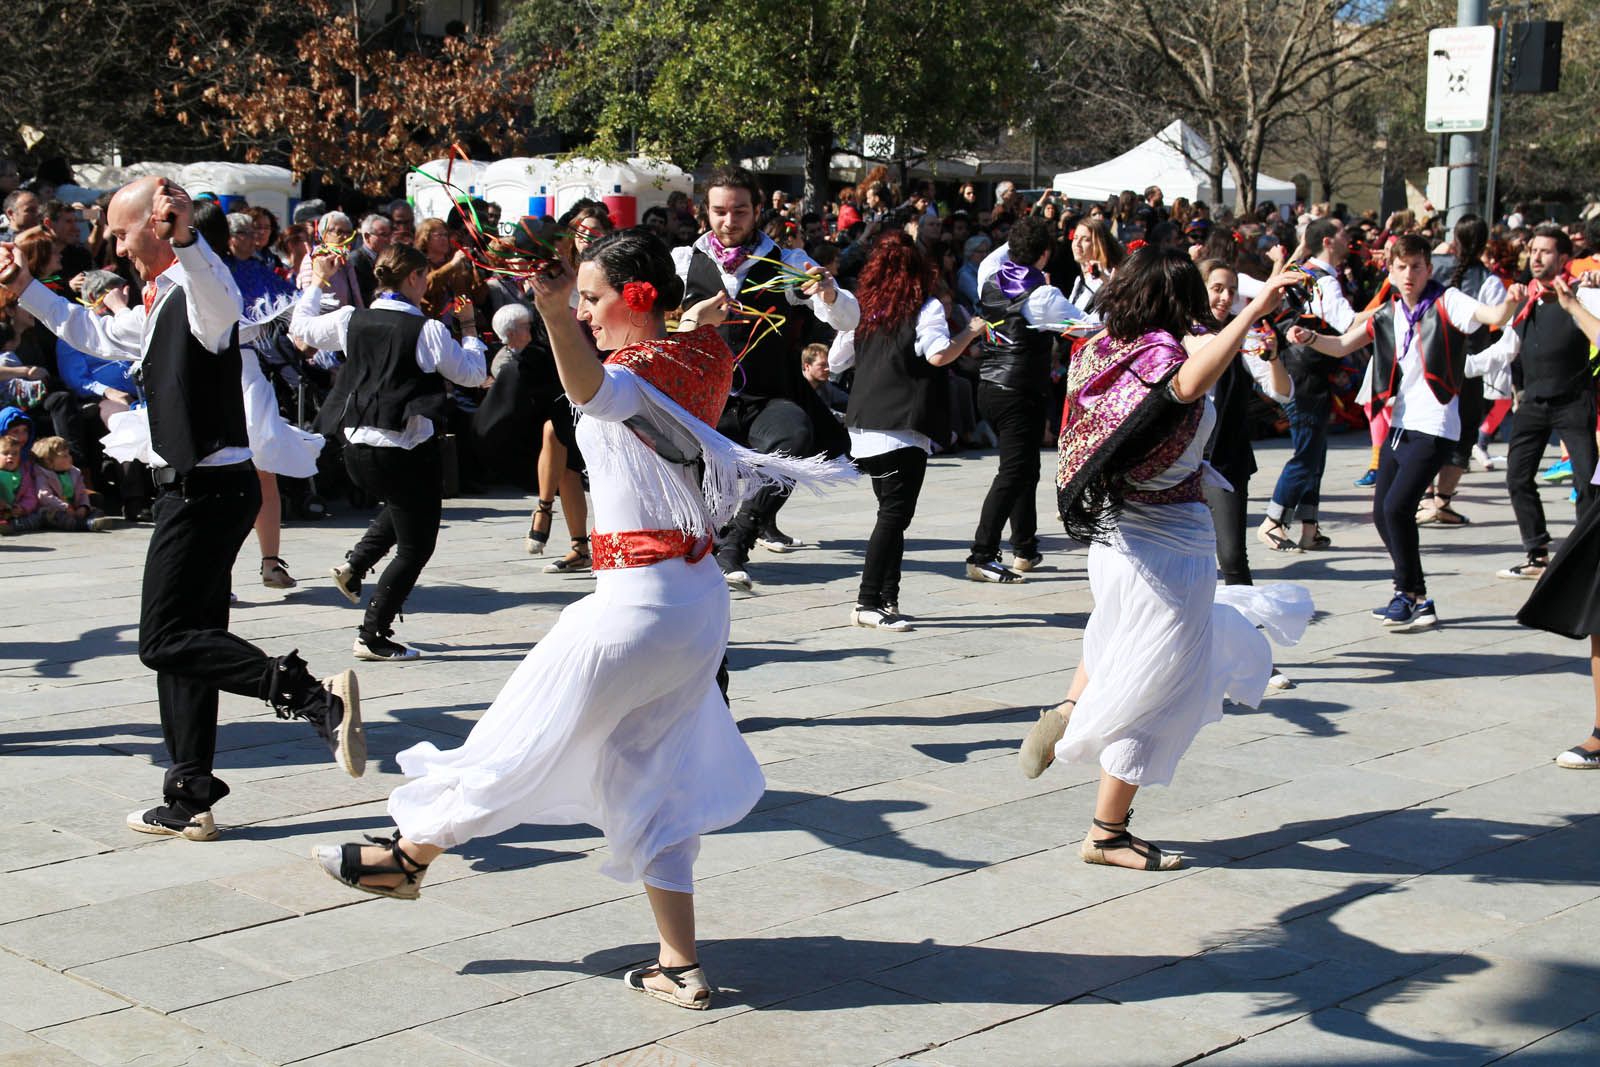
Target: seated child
{"points": [[19, 498], [63, 496]]}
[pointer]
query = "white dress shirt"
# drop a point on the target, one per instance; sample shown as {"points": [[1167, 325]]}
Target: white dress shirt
{"points": [[842, 314], [437, 353], [213, 304]]}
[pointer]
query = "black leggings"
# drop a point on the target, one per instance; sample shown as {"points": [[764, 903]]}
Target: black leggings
{"points": [[1407, 465], [410, 484], [897, 482], [1228, 516]]}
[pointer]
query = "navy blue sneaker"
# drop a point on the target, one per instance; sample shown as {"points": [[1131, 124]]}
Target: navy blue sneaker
{"points": [[1368, 480], [1408, 616], [1382, 611]]}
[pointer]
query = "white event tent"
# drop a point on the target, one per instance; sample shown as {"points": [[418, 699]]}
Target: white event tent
{"points": [[1175, 160]]}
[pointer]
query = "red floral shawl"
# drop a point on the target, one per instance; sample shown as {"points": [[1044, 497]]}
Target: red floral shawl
{"points": [[695, 369]]}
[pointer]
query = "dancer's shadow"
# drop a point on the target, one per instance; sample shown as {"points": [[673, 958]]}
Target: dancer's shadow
{"points": [[56, 659], [1312, 716]]}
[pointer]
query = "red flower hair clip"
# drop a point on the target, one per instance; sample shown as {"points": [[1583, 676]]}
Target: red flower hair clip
{"points": [[639, 296], [1135, 244]]}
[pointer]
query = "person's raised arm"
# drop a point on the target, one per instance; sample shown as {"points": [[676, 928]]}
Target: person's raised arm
{"points": [[309, 325], [1587, 321], [1495, 316], [581, 374], [211, 296], [1336, 346], [1202, 369], [72, 323]]}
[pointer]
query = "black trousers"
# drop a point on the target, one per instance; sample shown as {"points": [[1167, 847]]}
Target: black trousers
{"points": [[1471, 407], [408, 482], [897, 482], [1407, 465], [1228, 516], [1574, 422], [765, 426], [183, 623], [1017, 417]]}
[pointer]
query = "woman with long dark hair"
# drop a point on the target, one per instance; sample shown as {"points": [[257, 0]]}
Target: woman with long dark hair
{"points": [[1164, 644], [615, 719], [899, 406], [397, 361]]}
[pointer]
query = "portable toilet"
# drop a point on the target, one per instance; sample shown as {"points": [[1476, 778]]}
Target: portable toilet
{"points": [[431, 200], [237, 184], [522, 185], [627, 189], [655, 180]]}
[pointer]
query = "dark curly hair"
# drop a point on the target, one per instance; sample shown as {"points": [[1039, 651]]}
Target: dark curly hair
{"points": [[637, 255], [1154, 289]]}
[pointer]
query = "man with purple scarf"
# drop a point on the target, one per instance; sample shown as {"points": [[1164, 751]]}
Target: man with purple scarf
{"points": [[772, 407], [1419, 357], [1024, 313]]}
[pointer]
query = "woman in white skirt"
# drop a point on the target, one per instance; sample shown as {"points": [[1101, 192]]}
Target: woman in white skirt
{"points": [[1164, 645], [615, 718]]}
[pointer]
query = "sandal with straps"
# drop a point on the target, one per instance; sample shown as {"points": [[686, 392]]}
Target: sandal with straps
{"points": [[536, 540], [343, 863], [1579, 758], [1445, 515], [576, 560], [689, 986], [1094, 851]]}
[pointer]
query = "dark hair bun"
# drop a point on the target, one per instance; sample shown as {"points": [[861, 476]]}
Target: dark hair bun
{"points": [[638, 255]]}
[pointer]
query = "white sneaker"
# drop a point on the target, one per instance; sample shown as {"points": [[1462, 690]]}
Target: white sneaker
{"points": [[1481, 458], [1024, 564], [1279, 680], [738, 579], [878, 619]]}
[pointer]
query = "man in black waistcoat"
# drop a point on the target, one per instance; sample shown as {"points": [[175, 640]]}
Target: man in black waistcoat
{"points": [[1558, 396], [1025, 314], [772, 407], [209, 496]]}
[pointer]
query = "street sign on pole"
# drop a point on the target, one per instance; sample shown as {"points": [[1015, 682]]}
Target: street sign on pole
{"points": [[1460, 75]]}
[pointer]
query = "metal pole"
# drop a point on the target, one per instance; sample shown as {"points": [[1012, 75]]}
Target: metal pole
{"points": [[1463, 186], [1502, 33]]}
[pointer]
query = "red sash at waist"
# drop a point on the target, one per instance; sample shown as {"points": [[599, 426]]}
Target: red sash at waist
{"points": [[642, 548]]}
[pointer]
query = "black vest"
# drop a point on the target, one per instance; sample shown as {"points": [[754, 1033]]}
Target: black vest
{"points": [[771, 368], [896, 389], [1442, 347], [1229, 449], [1309, 369], [1022, 360], [1554, 356], [196, 399], [386, 386]]}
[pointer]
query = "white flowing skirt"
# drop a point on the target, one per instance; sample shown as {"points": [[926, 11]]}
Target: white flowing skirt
{"points": [[614, 720], [1165, 644]]}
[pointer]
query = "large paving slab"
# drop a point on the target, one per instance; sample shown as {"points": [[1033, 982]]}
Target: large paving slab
{"points": [[1386, 867]]}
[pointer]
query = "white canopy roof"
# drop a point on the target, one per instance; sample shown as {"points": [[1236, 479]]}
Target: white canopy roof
{"points": [[1175, 160]]}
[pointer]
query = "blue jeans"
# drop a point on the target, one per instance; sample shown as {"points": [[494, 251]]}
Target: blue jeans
{"points": [[1299, 488]]}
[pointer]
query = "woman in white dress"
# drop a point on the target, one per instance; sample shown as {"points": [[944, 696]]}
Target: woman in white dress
{"points": [[615, 718], [1164, 645]]}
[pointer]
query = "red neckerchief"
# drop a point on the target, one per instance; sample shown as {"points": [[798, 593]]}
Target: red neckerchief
{"points": [[1537, 290], [150, 293]]}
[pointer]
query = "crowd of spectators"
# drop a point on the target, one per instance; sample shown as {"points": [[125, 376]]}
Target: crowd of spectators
{"points": [[71, 396]]}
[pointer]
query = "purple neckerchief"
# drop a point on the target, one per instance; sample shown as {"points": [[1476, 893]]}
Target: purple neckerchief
{"points": [[1015, 278], [728, 258], [1430, 296]]}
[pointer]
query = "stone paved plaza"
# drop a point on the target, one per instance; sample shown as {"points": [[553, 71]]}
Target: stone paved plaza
{"points": [[1386, 866]]}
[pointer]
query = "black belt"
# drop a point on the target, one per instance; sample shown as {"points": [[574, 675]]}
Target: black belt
{"points": [[169, 478]]}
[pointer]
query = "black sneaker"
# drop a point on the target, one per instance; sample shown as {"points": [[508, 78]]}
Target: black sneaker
{"points": [[733, 564], [379, 649], [775, 540], [168, 821]]}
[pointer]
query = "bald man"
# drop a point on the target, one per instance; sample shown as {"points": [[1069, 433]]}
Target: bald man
{"points": [[186, 336]]}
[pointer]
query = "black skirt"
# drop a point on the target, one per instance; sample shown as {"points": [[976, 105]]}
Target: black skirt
{"points": [[1566, 600]]}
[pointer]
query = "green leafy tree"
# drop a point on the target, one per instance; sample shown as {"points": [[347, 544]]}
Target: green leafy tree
{"points": [[692, 79]]}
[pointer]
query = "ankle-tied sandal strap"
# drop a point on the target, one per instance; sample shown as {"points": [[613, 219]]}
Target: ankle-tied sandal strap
{"points": [[1112, 827], [354, 870], [1595, 733], [547, 507]]}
